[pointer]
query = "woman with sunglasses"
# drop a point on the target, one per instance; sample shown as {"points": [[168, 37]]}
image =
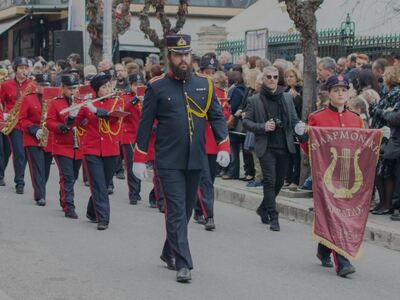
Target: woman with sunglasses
{"points": [[100, 146]]}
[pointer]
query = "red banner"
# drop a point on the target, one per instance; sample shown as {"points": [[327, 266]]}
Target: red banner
{"points": [[343, 162]]}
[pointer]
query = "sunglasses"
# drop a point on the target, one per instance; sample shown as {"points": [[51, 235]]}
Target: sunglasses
{"points": [[269, 77]]}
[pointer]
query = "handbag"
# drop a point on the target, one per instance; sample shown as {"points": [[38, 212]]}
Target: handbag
{"points": [[249, 141]]}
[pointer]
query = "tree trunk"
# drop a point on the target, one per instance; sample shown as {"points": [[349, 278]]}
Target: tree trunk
{"points": [[95, 53]]}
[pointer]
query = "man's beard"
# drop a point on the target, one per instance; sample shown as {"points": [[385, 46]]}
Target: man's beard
{"points": [[179, 73]]}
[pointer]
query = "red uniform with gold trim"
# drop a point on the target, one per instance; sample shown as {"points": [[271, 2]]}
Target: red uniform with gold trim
{"points": [[29, 118], [9, 92], [101, 137], [63, 142], [130, 122], [331, 117]]}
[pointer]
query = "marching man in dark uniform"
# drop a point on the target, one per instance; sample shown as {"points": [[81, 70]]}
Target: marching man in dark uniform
{"points": [[67, 155], [128, 135], [11, 94], [181, 102], [336, 115], [31, 119]]}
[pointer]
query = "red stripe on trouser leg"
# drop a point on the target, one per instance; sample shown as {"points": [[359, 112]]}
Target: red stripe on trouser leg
{"points": [[200, 199], [335, 260], [32, 175], [62, 191], [90, 186], [126, 169]]}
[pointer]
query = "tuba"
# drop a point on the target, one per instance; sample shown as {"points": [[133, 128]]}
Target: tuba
{"points": [[13, 117]]}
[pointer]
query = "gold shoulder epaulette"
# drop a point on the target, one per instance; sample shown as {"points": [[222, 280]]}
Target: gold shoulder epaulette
{"points": [[154, 79]]}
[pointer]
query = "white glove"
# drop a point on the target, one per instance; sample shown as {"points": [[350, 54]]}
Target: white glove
{"points": [[223, 158], [140, 171], [91, 107], [300, 128], [73, 113], [5, 116], [39, 134], [386, 132]]}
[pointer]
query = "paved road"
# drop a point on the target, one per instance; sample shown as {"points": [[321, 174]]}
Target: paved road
{"points": [[46, 256]]}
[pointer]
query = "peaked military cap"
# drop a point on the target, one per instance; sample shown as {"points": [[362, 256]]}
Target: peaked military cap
{"points": [[100, 79], [179, 43], [21, 61], [209, 61], [70, 79], [42, 79], [336, 80], [135, 78]]}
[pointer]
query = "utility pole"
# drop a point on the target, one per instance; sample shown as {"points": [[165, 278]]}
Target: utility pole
{"points": [[107, 30]]}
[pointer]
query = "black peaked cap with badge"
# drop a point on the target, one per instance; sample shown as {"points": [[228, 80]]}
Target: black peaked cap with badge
{"points": [[70, 79], [42, 79], [336, 80], [209, 61], [100, 79], [136, 78], [179, 43]]}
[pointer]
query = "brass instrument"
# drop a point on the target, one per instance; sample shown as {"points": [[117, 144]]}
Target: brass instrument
{"points": [[13, 117], [80, 105], [45, 132], [75, 145]]}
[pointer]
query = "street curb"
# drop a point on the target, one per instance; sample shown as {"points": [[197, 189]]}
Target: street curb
{"points": [[375, 233]]}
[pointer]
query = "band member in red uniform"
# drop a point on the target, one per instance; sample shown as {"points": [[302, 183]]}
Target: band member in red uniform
{"points": [[100, 146], [66, 152], [11, 93], [31, 118], [336, 115], [130, 124]]}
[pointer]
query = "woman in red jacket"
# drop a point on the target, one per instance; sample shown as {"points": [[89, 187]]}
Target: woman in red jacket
{"points": [[100, 145]]}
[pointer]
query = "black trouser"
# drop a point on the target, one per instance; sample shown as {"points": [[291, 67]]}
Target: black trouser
{"points": [[273, 164], [119, 166], [48, 158], [156, 195], [99, 171], [18, 153], [205, 203], [234, 165], [179, 187], [69, 172], [248, 161], [36, 162], [293, 169], [339, 260], [133, 181], [5, 152]]}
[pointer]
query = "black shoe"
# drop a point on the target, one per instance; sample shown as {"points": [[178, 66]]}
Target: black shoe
{"points": [[102, 226], [133, 201], [91, 219], [183, 275], [263, 215], [161, 209], [19, 189], [382, 211], [71, 214], [395, 217], [110, 190], [120, 175], [86, 183], [343, 272], [274, 224], [169, 261], [209, 224], [2, 182], [41, 202], [199, 219], [325, 261]]}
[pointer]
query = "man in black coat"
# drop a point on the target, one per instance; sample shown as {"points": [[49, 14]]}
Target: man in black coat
{"points": [[181, 102], [271, 116]]}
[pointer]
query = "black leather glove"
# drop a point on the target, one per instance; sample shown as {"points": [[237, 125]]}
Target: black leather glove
{"points": [[102, 113], [134, 100], [63, 128], [33, 129]]}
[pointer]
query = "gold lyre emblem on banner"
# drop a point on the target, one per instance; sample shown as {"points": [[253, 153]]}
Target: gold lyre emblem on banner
{"points": [[344, 190]]}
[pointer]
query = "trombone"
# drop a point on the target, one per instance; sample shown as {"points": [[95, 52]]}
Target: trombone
{"points": [[80, 105]]}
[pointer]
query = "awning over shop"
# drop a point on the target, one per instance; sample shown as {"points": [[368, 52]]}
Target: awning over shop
{"points": [[134, 40], [138, 48], [10, 23]]}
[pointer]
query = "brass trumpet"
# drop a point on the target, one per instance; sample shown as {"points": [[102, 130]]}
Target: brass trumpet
{"points": [[80, 105]]}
